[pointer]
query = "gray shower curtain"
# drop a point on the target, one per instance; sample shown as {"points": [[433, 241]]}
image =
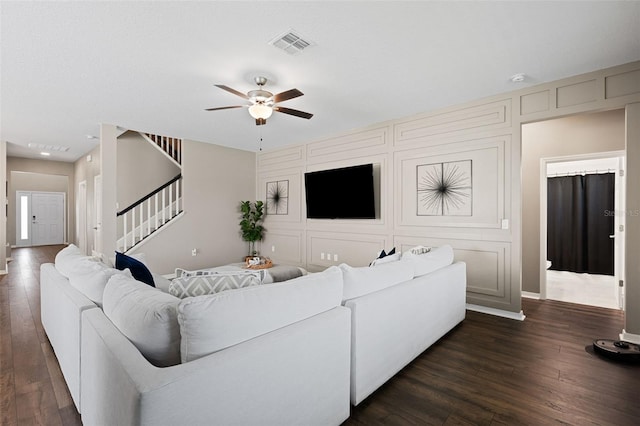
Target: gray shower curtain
{"points": [[580, 219]]}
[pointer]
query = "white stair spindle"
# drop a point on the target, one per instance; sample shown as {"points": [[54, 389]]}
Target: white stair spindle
{"points": [[149, 216], [157, 217], [170, 188], [140, 227], [178, 183], [164, 206], [124, 228]]}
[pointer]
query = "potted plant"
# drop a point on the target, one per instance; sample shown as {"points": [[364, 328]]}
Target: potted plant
{"points": [[251, 224]]}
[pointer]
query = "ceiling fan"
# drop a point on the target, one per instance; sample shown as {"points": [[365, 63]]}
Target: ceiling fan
{"points": [[263, 103]]}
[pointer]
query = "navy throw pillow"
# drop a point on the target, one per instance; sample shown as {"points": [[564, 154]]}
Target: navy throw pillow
{"points": [[137, 268]]}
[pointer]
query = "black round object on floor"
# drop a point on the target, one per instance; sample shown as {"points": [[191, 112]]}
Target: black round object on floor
{"points": [[618, 350]]}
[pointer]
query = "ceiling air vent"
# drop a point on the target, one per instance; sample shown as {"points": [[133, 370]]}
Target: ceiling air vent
{"points": [[43, 147], [291, 42]]}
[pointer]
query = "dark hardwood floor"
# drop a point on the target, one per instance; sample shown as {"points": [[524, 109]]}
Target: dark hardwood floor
{"points": [[487, 371]]}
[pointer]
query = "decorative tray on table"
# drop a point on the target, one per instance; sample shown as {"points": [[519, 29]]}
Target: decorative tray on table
{"points": [[257, 262]]}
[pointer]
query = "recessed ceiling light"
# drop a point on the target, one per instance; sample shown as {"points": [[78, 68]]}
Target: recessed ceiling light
{"points": [[46, 154], [518, 78]]}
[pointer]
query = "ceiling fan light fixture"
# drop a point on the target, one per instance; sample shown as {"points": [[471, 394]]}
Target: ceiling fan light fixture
{"points": [[260, 110]]}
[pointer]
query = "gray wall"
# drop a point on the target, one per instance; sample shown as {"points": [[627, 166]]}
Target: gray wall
{"points": [[215, 180], [568, 136], [141, 168]]}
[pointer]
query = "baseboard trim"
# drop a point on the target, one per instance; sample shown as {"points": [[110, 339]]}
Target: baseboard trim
{"points": [[628, 337], [530, 295], [519, 316]]}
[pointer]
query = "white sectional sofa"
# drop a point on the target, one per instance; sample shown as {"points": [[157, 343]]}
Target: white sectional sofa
{"points": [[296, 352], [399, 309]]}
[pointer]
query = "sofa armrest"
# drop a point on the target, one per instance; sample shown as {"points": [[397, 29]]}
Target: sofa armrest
{"points": [[293, 375], [391, 327], [61, 308]]}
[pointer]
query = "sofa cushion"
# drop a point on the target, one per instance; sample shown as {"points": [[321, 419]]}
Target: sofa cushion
{"points": [[90, 277], [139, 271], [365, 280], [67, 258], [214, 322], [212, 282], [436, 258], [146, 316]]}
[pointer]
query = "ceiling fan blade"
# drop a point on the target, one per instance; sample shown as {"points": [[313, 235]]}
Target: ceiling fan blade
{"points": [[234, 91], [295, 112], [227, 107], [285, 96]]}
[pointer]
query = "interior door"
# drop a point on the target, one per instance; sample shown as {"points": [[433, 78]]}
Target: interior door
{"points": [[47, 218], [81, 216], [97, 208]]}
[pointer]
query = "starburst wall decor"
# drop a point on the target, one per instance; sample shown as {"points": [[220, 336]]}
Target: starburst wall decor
{"points": [[278, 197], [444, 189]]}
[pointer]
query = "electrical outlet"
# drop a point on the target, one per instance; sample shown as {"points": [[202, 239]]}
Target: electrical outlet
{"points": [[273, 249], [505, 223], [194, 252], [329, 257], [321, 256], [335, 257]]}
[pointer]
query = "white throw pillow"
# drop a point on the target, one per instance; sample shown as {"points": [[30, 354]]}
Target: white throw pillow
{"points": [[67, 258], [387, 259], [436, 258], [146, 316], [365, 280], [214, 322], [90, 278], [212, 282]]}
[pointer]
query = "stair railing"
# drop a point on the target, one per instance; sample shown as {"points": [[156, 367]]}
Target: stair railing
{"points": [[172, 147], [150, 213]]}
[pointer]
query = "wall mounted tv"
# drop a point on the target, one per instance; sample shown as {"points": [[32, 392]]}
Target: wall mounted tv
{"points": [[345, 193]]}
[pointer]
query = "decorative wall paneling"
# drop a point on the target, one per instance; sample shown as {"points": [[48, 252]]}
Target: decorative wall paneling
{"points": [[284, 246], [490, 246], [294, 179], [353, 249], [282, 158], [456, 124], [490, 158], [488, 267], [353, 145]]}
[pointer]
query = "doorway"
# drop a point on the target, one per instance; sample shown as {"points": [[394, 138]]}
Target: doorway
{"points": [[39, 218], [581, 235]]}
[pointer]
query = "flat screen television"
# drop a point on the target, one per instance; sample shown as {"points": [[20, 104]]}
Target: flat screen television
{"points": [[346, 193]]}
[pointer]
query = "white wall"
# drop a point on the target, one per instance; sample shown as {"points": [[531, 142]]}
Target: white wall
{"points": [[85, 170]]}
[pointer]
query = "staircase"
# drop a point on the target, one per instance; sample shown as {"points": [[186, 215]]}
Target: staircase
{"points": [[139, 221]]}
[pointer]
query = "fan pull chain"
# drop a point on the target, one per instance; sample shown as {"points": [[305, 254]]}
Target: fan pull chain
{"points": [[260, 142]]}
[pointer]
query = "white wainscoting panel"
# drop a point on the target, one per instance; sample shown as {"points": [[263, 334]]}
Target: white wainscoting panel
{"points": [[535, 102], [284, 246], [623, 84], [487, 262], [353, 249], [359, 144], [281, 158], [490, 159], [433, 130], [577, 94], [292, 179]]}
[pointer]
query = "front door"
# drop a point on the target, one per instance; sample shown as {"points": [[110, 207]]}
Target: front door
{"points": [[40, 218]]}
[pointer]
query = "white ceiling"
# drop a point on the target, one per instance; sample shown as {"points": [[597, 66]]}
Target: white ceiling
{"points": [[151, 66]]}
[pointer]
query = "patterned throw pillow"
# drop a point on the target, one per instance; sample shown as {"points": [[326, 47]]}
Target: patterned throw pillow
{"points": [[189, 285]]}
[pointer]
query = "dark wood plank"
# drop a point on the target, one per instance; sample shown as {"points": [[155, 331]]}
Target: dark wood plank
{"points": [[491, 370], [487, 371]]}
